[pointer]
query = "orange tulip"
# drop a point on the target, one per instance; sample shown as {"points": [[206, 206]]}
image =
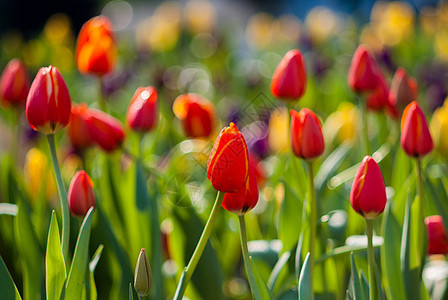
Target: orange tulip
{"points": [[416, 139], [96, 51], [80, 194], [307, 139], [77, 128], [142, 111], [14, 83]]}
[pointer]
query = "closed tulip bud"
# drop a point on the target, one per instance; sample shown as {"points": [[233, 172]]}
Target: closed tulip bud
{"points": [[14, 83], [228, 164], [379, 98], [439, 129], [142, 111], [142, 275], [363, 72], [403, 89], [48, 105], [244, 199], [80, 194], [368, 194], [289, 79], [96, 51], [307, 139], [197, 115], [77, 128], [106, 131], [416, 139], [437, 240]]}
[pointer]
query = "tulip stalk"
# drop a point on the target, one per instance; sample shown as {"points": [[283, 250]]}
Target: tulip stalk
{"points": [[246, 258], [313, 220], [101, 100], [365, 126], [62, 197], [421, 238], [371, 258], [189, 269]]}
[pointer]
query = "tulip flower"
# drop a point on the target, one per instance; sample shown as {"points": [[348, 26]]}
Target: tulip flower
{"points": [[77, 128], [48, 105], [403, 89], [437, 240], [379, 98], [244, 199], [96, 50], [106, 131], [363, 72], [416, 139], [14, 83], [80, 194], [307, 140], [142, 111], [142, 275], [368, 194], [197, 115], [289, 79], [439, 129], [257, 168], [228, 164]]}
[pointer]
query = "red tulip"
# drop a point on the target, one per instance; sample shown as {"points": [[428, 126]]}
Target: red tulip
{"points": [[197, 115], [244, 199], [96, 51], [257, 168], [307, 139], [80, 194], [48, 104], [363, 72], [379, 98], [228, 164], [415, 136], [403, 89], [368, 194], [106, 131], [289, 79], [14, 83], [77, 128], [142, 111], [437, 240]]}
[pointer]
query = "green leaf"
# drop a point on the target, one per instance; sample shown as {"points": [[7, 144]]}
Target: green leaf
{"points": [[76, 276], [92, 266], [364, 286], [131, 293], [304, 289], [289, 219], [54, 262], [7, 285], [356, 284], [30, 253], [262, 287], [331, 163], [440, 200], [141, 193], [390, 256], [279, 266]]}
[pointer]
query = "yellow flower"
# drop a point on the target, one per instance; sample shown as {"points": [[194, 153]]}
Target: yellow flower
{"points": [[441, 44], [287, 29], [279, 130], [322, 23], [200, 16], [259, 31], [157, 33], [439, 128], [37, 173], [342, 123], [58, 31]]}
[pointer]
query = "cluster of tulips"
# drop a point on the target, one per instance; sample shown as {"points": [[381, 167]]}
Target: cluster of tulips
{"points": [[232, 170]]}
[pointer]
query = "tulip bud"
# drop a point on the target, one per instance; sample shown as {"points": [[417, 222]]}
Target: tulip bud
{"points": [[363, 72], [439, 129], [14, 83], [142, 111], [244, 199], [368, 194], [289, 79], [77, 128], [142, 275], [80, 194], [197, 115], [403, 89], [228, 164], [437, 240], [106, 131], [48, 104], [307, 140], [379, 98], [416, 139], [96, 51]]}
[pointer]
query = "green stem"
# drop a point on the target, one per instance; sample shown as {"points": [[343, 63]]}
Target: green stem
{"points": [[313, 220], [372, 284], [189, 269], [365, 126], [421, 240], [246, 258], [62, 197], [101, 98]]}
